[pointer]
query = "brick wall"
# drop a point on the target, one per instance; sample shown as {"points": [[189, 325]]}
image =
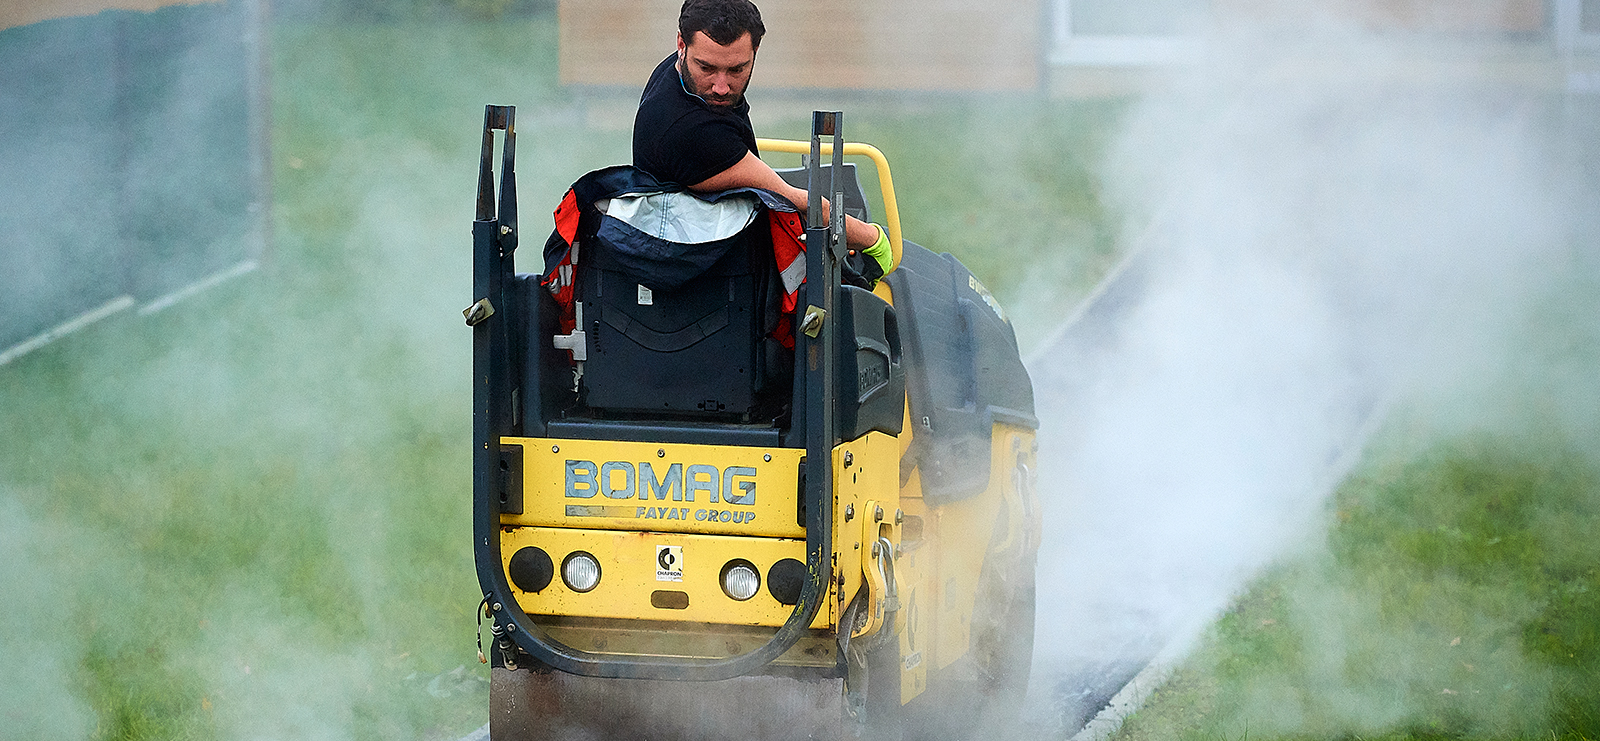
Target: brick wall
{"points": [[857, 44], [25, 12], [1465, 16]]}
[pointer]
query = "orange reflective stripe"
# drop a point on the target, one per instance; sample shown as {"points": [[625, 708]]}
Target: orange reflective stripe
{"points": [[789, 252], [567, 217]]}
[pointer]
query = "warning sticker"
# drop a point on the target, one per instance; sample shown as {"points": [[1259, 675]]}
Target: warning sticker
{"points": [[669, 563], [646, 297]]}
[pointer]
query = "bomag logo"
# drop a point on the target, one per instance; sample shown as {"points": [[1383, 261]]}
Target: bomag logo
{"points": [[679, 483], [734, 485]]}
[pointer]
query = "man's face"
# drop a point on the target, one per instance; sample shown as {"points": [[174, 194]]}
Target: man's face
{"points": [[717, 73]]}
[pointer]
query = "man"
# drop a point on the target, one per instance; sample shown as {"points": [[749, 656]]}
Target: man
{"points": [[693, 125]]}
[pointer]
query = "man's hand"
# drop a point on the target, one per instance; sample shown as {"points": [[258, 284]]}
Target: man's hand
{"points": [[880, 251], [857, 233]]}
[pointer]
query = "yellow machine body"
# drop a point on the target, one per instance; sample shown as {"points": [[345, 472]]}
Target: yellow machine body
{"points": [[608, 499], [924, 564]]}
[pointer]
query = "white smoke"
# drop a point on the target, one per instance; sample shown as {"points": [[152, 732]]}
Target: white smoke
{"points": [[1328, 218], [38, 648]]}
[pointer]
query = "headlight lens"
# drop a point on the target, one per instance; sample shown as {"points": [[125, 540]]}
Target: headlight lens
{"points": [[580, 571], [740, 580]]}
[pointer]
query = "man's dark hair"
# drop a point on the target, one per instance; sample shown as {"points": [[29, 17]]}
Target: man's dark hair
{"points": [[723, 20]]}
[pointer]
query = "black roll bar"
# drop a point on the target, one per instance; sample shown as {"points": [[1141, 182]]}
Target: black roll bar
{"points": [[494, 238]]}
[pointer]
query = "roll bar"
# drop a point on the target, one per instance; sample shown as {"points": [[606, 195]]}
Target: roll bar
{"points": [[494, 233]]}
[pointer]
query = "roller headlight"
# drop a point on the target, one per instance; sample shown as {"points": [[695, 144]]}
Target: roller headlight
{"points": [[580, 571], [740, 580], [530, 569], [785, 580]]}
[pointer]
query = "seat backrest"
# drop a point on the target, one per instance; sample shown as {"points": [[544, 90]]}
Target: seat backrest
{"points": [[693, 351], [855, 202]]}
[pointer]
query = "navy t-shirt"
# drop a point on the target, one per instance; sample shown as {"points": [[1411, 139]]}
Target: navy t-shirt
{"points": [[679, 138]]}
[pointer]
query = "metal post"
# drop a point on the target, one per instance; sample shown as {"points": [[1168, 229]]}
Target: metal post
{"points": [[823, 239]]}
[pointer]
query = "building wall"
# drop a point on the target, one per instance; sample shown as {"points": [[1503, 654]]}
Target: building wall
{"points": [[22, 13], [1470, 16], [1508, 16], [854, 44]]}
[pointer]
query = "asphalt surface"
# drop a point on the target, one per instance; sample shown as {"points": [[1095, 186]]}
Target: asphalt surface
{"points": [[1171, 471], [1107, 637]]}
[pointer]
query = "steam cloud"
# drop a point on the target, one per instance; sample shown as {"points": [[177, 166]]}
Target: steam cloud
{"points": [[39, 702], [1327, 218], [1321, 227]]}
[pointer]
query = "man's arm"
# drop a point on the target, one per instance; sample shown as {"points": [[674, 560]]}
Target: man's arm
{"points": [[751, 172]]}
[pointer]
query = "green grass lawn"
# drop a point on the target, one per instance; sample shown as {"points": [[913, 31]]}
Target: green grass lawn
{"points": [[1457, 591], [248, 515]]}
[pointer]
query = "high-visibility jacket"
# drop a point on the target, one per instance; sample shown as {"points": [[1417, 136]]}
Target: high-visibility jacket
{"points": [[666, 235]]}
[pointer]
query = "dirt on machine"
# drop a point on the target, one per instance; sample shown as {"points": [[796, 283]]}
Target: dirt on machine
{"points": [[724, 485]]}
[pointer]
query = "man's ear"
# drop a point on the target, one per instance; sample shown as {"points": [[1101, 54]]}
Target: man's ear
{"points": [[681, 46]]}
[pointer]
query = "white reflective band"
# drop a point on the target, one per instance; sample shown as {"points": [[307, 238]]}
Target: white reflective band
{"points": [[794, 274], [682, 218]]}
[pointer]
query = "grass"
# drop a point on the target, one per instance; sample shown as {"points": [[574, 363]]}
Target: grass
{"points": [[1458, 592], [247, 516]]}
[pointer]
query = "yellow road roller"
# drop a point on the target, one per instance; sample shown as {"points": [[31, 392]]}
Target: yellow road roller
{"points": [[730, 479]]}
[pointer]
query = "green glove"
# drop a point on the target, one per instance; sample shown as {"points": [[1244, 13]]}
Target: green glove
{"points": [[880, 250]]}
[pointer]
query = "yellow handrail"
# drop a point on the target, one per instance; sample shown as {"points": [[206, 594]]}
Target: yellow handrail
{"points": [[891, 209]]}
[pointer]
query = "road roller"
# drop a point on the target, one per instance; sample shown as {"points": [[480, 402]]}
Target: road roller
{"points": [[732, 479]]}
